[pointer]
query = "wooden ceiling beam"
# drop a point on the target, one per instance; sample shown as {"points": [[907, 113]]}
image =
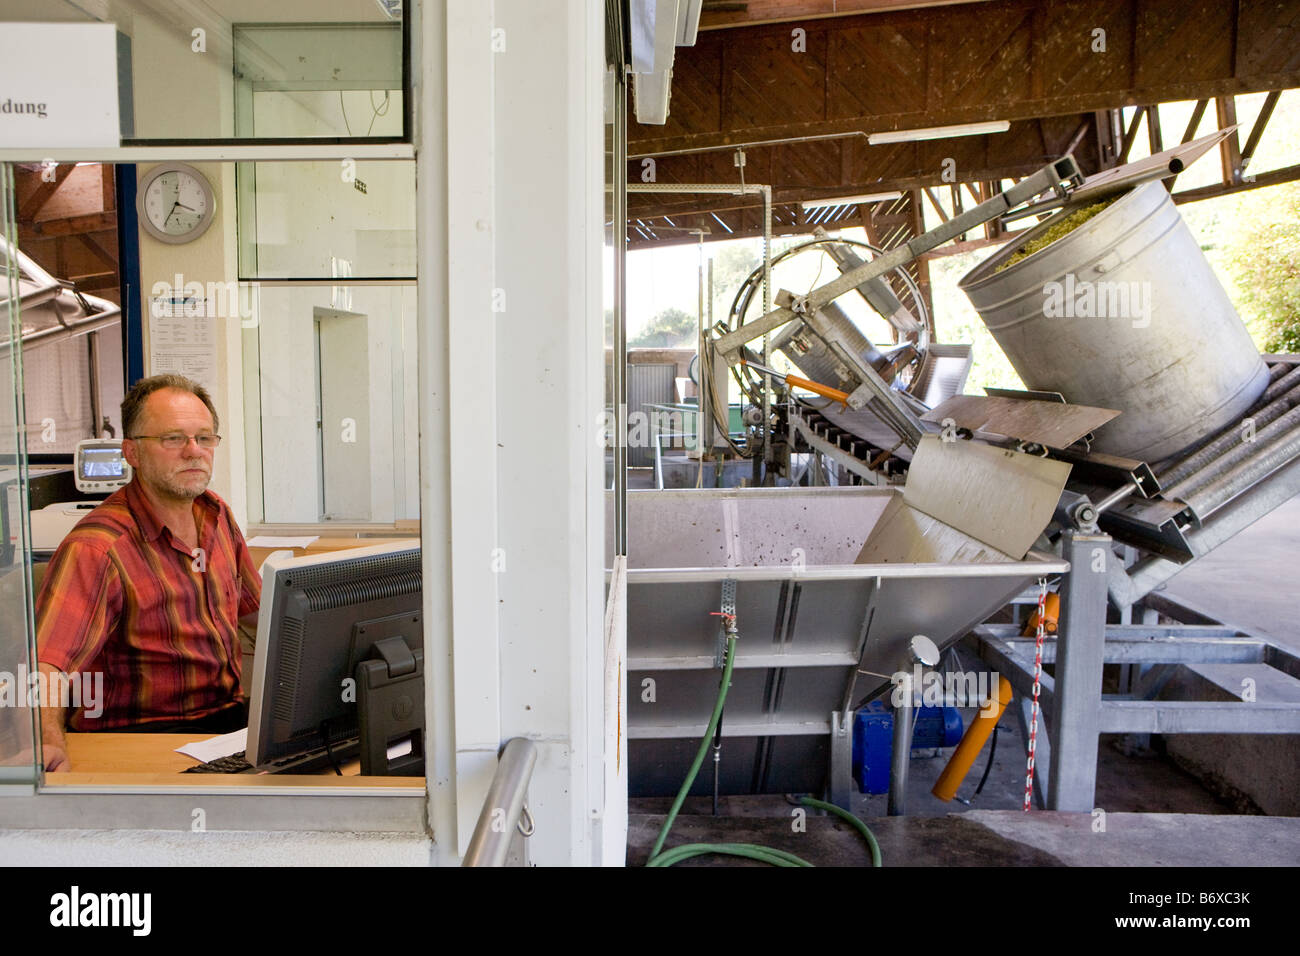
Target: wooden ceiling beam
{"points": [[723, 15], [41, 195], [645, 205], [48, 229], [1016, 60], [1274, 177], [1256, 131], [1230, 148]]}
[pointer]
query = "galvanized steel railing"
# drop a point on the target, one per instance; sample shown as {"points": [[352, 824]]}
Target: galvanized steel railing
{"points": [[504, 807]]}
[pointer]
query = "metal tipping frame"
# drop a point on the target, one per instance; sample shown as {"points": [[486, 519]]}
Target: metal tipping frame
{"points": [[1056, 177]]}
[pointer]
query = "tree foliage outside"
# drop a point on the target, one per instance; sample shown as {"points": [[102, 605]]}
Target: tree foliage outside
{"points": [[669, 329], [1262, 257], [732, 264]]}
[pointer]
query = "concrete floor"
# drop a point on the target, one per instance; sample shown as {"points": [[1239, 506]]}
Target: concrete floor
{"points": [[989, 838], [1153, 814]]}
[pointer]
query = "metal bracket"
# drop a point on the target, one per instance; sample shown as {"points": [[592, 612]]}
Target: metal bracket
{"points": [[728, 610]]}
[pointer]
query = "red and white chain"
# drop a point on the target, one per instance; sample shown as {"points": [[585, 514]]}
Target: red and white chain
{"points": [[1038, 673]]}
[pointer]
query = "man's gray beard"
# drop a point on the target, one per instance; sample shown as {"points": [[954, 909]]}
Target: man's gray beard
{"points": [[181, 493]]}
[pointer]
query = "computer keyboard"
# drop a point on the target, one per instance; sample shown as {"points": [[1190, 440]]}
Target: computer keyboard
{"points": [[235, 763]]}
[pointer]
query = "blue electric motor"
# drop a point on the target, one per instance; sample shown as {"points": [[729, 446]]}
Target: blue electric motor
{"points": [[873, 740]]}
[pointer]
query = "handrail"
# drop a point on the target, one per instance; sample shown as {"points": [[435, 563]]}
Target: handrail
{"points": [[503, 805]]}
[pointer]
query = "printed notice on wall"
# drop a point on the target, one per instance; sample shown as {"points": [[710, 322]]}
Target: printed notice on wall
{"points": [[58, 85], [185, 345]]}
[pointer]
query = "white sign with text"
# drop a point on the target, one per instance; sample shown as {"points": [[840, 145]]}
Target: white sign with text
{"points": [[58, 85]]}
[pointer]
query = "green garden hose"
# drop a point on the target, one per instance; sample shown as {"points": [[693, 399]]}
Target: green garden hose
{"points": [[660, 857]]}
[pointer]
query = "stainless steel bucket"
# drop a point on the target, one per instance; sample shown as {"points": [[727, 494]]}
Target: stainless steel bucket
{"points": [[1125, 313]]}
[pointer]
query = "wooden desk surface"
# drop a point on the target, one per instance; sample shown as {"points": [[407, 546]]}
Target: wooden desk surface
{"points": [[150, 759], [325, 545]]}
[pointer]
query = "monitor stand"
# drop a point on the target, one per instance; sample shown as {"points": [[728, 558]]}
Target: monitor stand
{"points": [[390, 707]]}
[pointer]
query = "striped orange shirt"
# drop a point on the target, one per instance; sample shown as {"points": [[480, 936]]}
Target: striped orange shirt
{"points": [[123, 597]]}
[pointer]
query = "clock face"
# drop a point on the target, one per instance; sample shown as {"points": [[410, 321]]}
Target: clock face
{"points": [[177, 204]]}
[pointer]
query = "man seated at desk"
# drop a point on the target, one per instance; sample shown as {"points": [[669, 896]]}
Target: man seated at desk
{"points": [[149, 588]]}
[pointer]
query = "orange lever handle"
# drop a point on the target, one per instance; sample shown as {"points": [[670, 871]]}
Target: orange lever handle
{"points": [[824, 390]]}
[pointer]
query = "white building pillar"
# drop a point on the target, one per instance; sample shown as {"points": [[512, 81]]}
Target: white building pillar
{"points": [[511, 231]]}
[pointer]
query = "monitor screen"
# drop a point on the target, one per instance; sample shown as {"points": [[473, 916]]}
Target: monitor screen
{"points": [[102, 463], [327, 623]]}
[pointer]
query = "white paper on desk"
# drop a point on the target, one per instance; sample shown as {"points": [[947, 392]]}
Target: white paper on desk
{"points": [[270, 541], [205, 751]]}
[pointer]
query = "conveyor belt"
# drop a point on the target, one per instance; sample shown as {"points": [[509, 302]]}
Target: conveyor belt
{"points": [[1223, 469]]}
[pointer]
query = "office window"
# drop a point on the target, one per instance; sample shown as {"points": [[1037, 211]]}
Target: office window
{"points": [[329, 398], [214, 71], [320, 328]]}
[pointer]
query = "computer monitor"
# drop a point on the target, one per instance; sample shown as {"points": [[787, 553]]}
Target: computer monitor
{"points": [[339, 662], [100, 467]]}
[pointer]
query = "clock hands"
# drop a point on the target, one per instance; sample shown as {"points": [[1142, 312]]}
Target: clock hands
{"points": [[175, 205]]}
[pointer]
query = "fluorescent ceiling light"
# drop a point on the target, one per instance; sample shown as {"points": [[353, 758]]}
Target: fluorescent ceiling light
{"points": [[850, 200], [937, 132], [650, 93], [688, 21]]}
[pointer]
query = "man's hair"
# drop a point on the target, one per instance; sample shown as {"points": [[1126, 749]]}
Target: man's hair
{"points": [[134, 401]]}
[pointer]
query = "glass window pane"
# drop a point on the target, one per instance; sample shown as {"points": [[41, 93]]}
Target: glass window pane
{"points": [[327, 220], [217, 70], [337, 80], [17, 760], [330, 399]]}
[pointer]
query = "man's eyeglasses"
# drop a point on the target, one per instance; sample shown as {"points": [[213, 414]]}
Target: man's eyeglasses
{"points": [[176, 440]]}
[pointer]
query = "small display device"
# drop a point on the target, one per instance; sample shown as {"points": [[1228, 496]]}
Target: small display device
{"points": [[100, 467]]}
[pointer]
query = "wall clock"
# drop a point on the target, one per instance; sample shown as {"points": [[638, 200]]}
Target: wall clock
{"points": [[175, 203]]}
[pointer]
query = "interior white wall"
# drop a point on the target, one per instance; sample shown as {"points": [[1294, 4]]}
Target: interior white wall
{"points": [[209, 258], [195, 100]]}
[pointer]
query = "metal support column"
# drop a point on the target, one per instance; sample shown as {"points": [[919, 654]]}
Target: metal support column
{"points": [[618, 374], [922, 653], [1080, 652], [841, 781], [901, 753]]}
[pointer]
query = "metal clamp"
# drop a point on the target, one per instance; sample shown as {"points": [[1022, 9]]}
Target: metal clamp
{"points": [[728, 615], [530, 828]]}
